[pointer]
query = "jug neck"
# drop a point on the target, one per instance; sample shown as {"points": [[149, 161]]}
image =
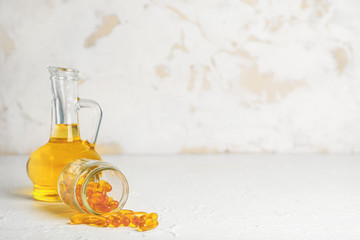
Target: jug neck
{"points": [[64, 83]]}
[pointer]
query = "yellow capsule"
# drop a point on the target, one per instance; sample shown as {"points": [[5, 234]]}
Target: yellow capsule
{"points": [[93, 185], [139, 214], [109, 214], [99, 190], [89, 219], [105, 185], [113, 204], [147, 216], [148, 225], [125, 211], [101, 208], [97, 198], [80, 181], [114, 221], [134, 220], [110, 217], [125, 221]]}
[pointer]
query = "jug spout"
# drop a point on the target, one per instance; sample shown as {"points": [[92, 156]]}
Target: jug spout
{"points": [[64, 82]]}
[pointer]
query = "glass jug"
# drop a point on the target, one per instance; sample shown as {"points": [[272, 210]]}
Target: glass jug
{"points": [[65, 145]]}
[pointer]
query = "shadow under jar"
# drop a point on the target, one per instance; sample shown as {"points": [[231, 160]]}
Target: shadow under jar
{"points": [[92, 186]]}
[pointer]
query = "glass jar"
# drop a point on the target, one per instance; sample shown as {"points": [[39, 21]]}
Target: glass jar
{"points": [[83, 179]]}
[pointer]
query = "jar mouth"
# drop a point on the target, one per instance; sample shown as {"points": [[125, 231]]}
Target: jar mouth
{"points": [[88, 179]]}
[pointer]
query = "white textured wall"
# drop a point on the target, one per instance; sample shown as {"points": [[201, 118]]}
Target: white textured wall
{"points": [[188, 76]]}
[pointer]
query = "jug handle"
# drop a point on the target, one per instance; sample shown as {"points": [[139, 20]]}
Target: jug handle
{"points": [[95, 107]]}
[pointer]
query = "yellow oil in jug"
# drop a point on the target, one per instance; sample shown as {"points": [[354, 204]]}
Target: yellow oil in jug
{"points": [[46, 163]]}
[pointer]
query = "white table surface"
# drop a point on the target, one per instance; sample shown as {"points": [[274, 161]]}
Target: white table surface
{"points": [[205, 197]]}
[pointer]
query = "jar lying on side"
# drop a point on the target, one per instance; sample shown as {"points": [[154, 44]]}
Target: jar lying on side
{"points": [[93, 187]]}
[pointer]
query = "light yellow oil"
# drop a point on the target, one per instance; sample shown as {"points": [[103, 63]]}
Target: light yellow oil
{"points": [[46, 163]]}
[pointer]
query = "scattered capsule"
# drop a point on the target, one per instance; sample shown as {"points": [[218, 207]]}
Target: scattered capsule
{"points": [[147, 216], [139, 214], [125, 211], [134, 220], [148, 225], [115, 222], [89, 219], [125, 221]]}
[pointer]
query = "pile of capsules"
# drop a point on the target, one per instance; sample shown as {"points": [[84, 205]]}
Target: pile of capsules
{"points": [[142, 221], [96, 195]]}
